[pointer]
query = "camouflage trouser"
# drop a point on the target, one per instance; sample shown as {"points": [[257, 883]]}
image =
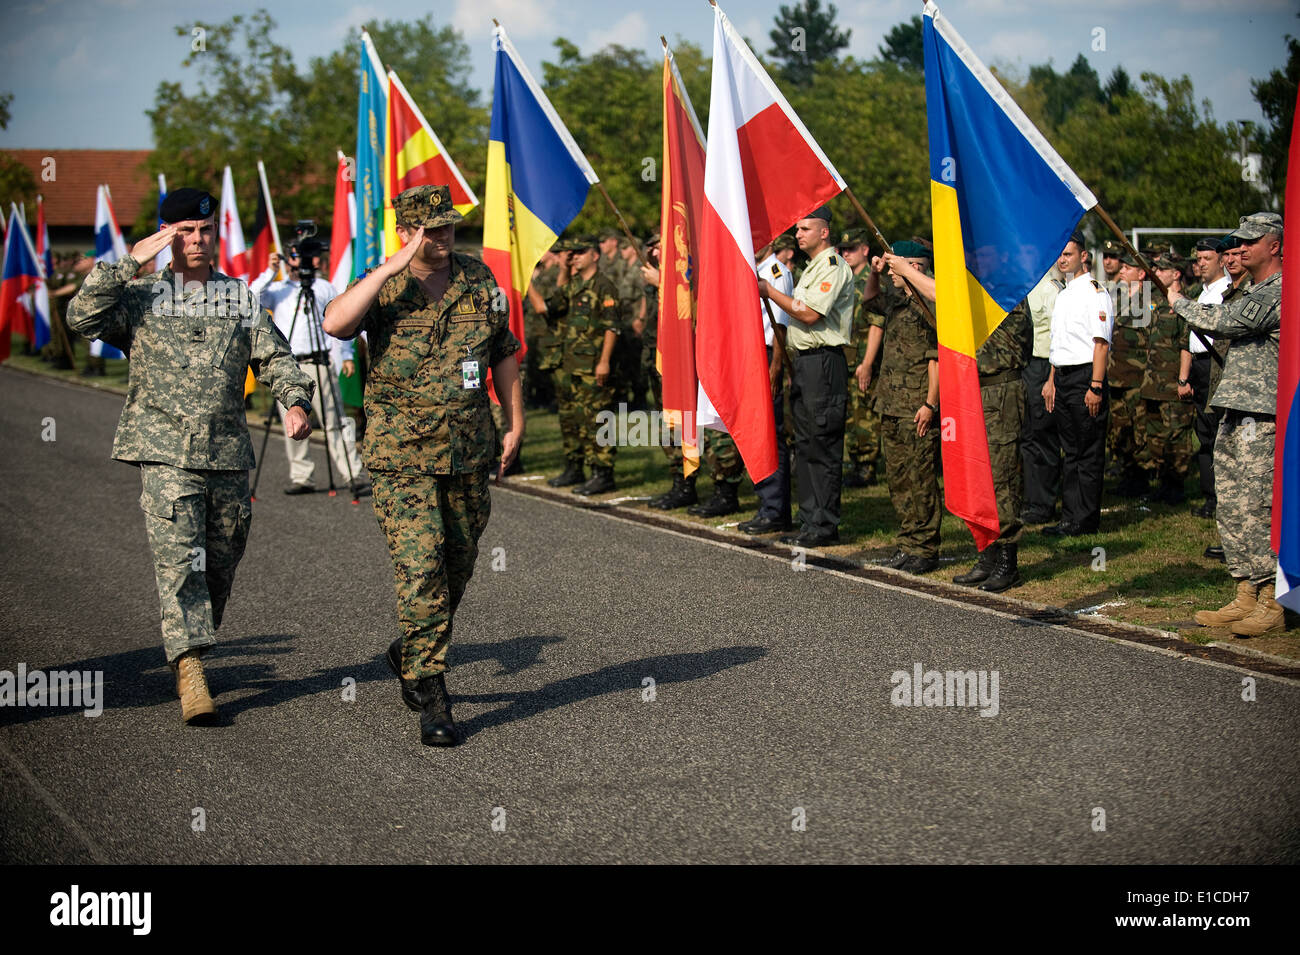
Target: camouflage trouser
{"points": [[1166, 450], [861, 428], [570, 418], [672, 450], [910, 463], [197, 523], [432, 523], [589, 400], [1127, 431], [1243, 478], [723, 456], [1004, 420]]}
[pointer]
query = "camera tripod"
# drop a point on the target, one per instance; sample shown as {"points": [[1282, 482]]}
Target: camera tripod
{"points": [[305, 306]]}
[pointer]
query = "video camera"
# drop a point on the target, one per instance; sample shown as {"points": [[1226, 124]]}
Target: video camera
{"points": [[308, 248]]}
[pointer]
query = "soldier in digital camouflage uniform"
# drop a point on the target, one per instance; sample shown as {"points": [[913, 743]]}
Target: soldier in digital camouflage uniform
{"points": [[1127, 363], [588, 302], [862, 429], [435, 328], [906, 399], [183, 422], [1166, 443], [1001, 362], [1244, 445]]}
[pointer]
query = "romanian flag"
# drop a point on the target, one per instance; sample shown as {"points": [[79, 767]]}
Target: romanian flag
{"points": [[415, 157], [537, 178], [372, 125], [1286, 461], [1004, 205], [679, 217]]}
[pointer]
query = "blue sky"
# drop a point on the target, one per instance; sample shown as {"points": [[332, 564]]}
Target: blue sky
{"points": [[83, 73]]}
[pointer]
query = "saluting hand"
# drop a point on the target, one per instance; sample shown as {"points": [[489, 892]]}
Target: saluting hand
{"points": [[403, 258], [150, 246]]}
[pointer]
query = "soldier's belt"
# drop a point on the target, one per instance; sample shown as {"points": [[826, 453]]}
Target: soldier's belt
{"points": [[1000, 377], [812, 351]]}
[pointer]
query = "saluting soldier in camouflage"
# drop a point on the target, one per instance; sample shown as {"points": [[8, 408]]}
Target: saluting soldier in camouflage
{"points": [[435, 327], [588, 302], [1001, 361], [193, 333], [862, 426], [906, 399], [1244, 445], [1168, 419], [1127, 363]]}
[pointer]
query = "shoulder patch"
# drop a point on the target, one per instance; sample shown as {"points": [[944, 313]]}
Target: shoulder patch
{"points": [[826, 286], [776, 271], [1096, 286], [608, 303], [1059, 284], [832, 260], [1251, 310]]}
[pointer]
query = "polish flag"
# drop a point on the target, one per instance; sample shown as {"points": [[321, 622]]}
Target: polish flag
{"points": [[763, 173], [234, 258], [344, 227]]}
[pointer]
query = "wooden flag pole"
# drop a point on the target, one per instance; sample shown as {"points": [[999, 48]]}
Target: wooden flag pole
{"points": [[270, 217], [1151, 274], [880, 237], [622, 222]]}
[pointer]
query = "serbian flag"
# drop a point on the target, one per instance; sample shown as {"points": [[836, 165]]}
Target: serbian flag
{"points": [[234, 257], [344, 227], [21, 273], [372, 125], [537, 178], [109, 247], [763, 173], [416, 157], [1286, 461], [681, 206], [41, 293], [1003, 205]]}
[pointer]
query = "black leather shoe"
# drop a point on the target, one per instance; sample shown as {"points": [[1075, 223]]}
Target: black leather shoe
{"points": [[812, 538], [1215, 552], [436, 725], [764, 525], [1064, 529], [917, 564], [722, 503], [394, 657], [300, 489], [898, 559], [572, 474], [1036, 517]]}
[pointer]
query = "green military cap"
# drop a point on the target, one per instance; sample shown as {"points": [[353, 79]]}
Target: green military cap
{"points": [[912, 250], [783, 241], [561, 245], [852, 238], [624, 242], [1257, 225], [581, 243], [1167, 260], [425, 207], [1156, 249], [1226, 243], [608, 234], [653, 240], [1111, 249], [1128, 258]]}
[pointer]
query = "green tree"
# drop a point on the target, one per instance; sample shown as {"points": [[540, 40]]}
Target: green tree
{"points": [[1276, 96], [1063, 93], [904, 45], [804, 36], [16, 182]]}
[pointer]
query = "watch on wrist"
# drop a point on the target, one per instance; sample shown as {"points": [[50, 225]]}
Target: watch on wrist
{"points": [[933, 409], [1183, 381], [1095, 390], [304, 404]]}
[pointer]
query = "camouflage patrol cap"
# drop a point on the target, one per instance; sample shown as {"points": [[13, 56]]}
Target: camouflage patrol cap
{"points": [[1257, 225], [852, 238], [1128, 258], [607, 234], [624, 242], [1167, 260], [783, 241], [425, 207], [581, 243]]}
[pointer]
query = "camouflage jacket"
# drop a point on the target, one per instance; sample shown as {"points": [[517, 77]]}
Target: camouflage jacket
{"points": [[427, 406], [1166, 341], [861, 319], [1252, 322], [1129, 340], [909, 345], [589, 307], [1009, 348], [544, 338], [191, 349], [1222, 345]]}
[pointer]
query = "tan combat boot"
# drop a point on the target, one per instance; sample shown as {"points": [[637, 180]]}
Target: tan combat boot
{"points": [[1242, 606], [1269, 617], [192, 688]]}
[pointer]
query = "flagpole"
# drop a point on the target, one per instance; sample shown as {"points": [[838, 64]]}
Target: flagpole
{"points": [[1151, 274], [270, 217], [880, 237], [56, 321], [621, 221]]}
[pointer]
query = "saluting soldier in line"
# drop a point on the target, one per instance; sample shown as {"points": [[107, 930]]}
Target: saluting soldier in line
{"points": [[428, 313], [193, 334], [862, 430]]}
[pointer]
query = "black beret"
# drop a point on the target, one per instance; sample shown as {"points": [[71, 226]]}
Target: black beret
{"points": [[1208, 245], [821, 212], [1077, 238], [181, 205]]}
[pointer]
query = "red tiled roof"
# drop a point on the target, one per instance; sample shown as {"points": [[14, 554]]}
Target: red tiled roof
{"points": [[70, 196]]}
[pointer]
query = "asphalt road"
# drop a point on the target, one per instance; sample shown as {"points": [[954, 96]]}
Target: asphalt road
{"points": [[772, 694]]}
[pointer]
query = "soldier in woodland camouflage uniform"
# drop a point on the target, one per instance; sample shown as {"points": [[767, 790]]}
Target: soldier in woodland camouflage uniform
{"points": [[1168, 420], [1001, 361], [632, 295], [588, 303], [543, 345], [1244, 445], [429, 315], [1125, 370], [862, 428], [183, 422]]}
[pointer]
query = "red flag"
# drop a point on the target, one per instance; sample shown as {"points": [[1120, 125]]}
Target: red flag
{"points": [[233, 260], [21, 274], [260, 254]]}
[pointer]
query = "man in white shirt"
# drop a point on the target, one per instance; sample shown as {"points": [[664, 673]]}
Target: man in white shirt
{"points": [[1083, 320], [1040, 444], [774, 490], [312, 348], [1215, 281]]}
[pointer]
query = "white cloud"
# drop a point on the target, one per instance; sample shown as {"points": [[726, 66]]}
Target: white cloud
{"points": [[521, 18], [632, 32]]}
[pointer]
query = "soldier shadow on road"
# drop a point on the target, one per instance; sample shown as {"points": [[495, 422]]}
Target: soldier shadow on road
{"points": [[616, 678]]}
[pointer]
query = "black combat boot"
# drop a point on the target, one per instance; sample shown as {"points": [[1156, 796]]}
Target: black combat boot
{"points": [[602, 481], [682, 494], [1171, 490], [859, 476], [436, 725], [722, 503], [572, 474], [1005, 573], [983, 567]]}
